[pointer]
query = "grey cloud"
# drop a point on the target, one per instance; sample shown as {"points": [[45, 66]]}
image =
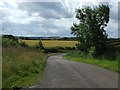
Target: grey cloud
{"points": [[112, 34], [35, 28], [46, 9], [119, 19], [113, 9], [50, 12], [49, 24], [17, 28]]}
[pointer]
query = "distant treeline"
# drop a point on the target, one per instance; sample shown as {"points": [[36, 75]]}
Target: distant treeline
{"points": [[40, 38], [48, 38], [113, 41]]}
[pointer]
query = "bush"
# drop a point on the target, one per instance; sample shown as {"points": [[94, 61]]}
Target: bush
{"points": [[58, 49], [69, 48], [23, 44], [9, 42], [51, 50], [78, 53], [39, 45], [110, 53], [10, 37], [21, 63]]}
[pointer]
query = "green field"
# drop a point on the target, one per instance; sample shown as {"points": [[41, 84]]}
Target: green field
{"points": [[51, 43]]}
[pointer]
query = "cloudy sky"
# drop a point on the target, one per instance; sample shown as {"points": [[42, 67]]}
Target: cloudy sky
{"points": [[50, 18]]}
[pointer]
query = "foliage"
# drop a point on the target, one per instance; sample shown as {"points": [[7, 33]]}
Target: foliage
{"points": [[9, 42], [90, 31], [21, 66], [111, 65], [40, 45], [10, 37], [108, 60], [58, 49], [23, 44], [65, 38]]}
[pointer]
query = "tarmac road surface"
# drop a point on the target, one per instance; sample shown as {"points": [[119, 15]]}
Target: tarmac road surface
{"points": [[61, 73]]}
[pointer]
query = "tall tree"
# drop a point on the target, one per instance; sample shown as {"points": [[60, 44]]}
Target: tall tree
{"points": [[90, 29]]}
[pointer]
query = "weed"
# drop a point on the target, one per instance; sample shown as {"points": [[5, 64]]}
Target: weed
{"points": [[19, 63]]}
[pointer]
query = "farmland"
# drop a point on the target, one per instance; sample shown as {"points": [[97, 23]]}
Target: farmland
{"points": [[51, 43]]}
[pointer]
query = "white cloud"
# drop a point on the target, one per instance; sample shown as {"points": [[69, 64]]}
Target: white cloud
{"points": [[23, 21], [66, 23], [55, 20], [35, 14], [15, 15], [112, 28], [53, 31]]}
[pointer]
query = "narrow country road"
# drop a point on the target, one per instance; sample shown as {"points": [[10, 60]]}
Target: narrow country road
{"points": [[61, 73]]}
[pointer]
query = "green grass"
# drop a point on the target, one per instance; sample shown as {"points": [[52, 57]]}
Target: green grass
{"points": [[108, 64], [52, 54], [0, 62], [22, 66]]}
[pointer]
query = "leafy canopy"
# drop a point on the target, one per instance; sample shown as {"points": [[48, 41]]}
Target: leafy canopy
{"points": [[90, 29]]}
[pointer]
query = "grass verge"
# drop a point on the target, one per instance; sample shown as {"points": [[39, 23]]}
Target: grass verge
{"points": [[52, 54], [108, 64], [22, 66]]}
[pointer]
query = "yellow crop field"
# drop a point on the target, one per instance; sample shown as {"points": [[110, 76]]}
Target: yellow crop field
{"points": [[51, 43]]}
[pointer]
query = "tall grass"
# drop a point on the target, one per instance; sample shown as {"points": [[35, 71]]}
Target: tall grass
{"points": [[0, 71], [21, 66]]}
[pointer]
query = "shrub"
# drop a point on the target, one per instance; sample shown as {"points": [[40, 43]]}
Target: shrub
{"points": [[9, 42], [23, 44], [69, 48], [6, 42], [21, 63], [78, 53], [58, 49], [39, 45], [51, 50], [10, 37], [110, 53]]}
